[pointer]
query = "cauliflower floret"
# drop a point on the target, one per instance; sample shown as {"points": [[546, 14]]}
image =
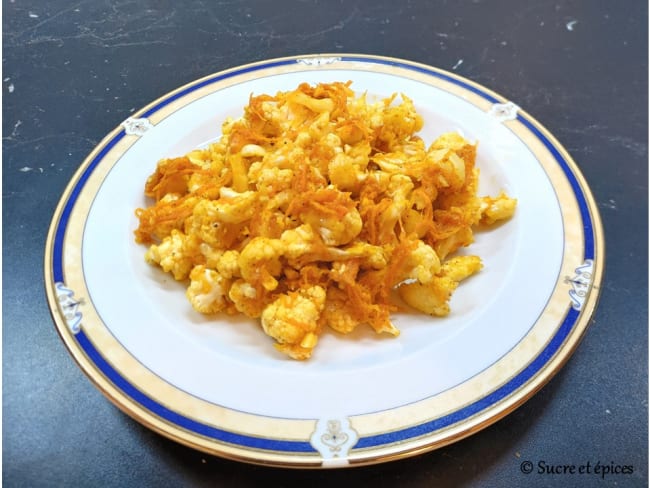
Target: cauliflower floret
{"points": [[399, 189], [233, 207], [200, 157], [397, 122], [433, 297], [228, 264], [451, 169], [303, 139], [273, 180], [449, 140], [454, 157], [210, 254], [463, 237], [335, 231], [389, 163], [319, 126], [259, 262], [331, 212], [460, 267], [424, 264], [301, 246], [298, 242], [333, 141], [205, 224], [336, 314], [348, 168], [292, 320], [246, 299], [343, 173], [207, 290], [495, 209], [175, 254]]}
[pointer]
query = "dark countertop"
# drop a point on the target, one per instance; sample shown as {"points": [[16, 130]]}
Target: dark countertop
{"points": [[72, 71]]}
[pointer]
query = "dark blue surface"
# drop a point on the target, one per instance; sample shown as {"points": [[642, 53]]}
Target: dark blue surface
{"points": [[73, 71]]}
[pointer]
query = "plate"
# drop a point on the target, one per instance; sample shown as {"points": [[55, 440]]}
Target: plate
{"points": [[218, 385]]}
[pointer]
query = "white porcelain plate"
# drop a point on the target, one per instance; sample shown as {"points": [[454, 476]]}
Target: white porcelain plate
{"points": [[218, 385]]}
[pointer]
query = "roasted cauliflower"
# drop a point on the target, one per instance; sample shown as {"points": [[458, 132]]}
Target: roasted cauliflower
{"points": [[312, 208]]}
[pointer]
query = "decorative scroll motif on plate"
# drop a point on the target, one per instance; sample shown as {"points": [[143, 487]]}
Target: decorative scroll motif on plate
{"points": [[580, 283], [333, 439], [69, 307], [136, 127], [504, 111], [317, 61]]}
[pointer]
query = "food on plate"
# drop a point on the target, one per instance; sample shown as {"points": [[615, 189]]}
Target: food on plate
{"points": [[312, 208]]}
